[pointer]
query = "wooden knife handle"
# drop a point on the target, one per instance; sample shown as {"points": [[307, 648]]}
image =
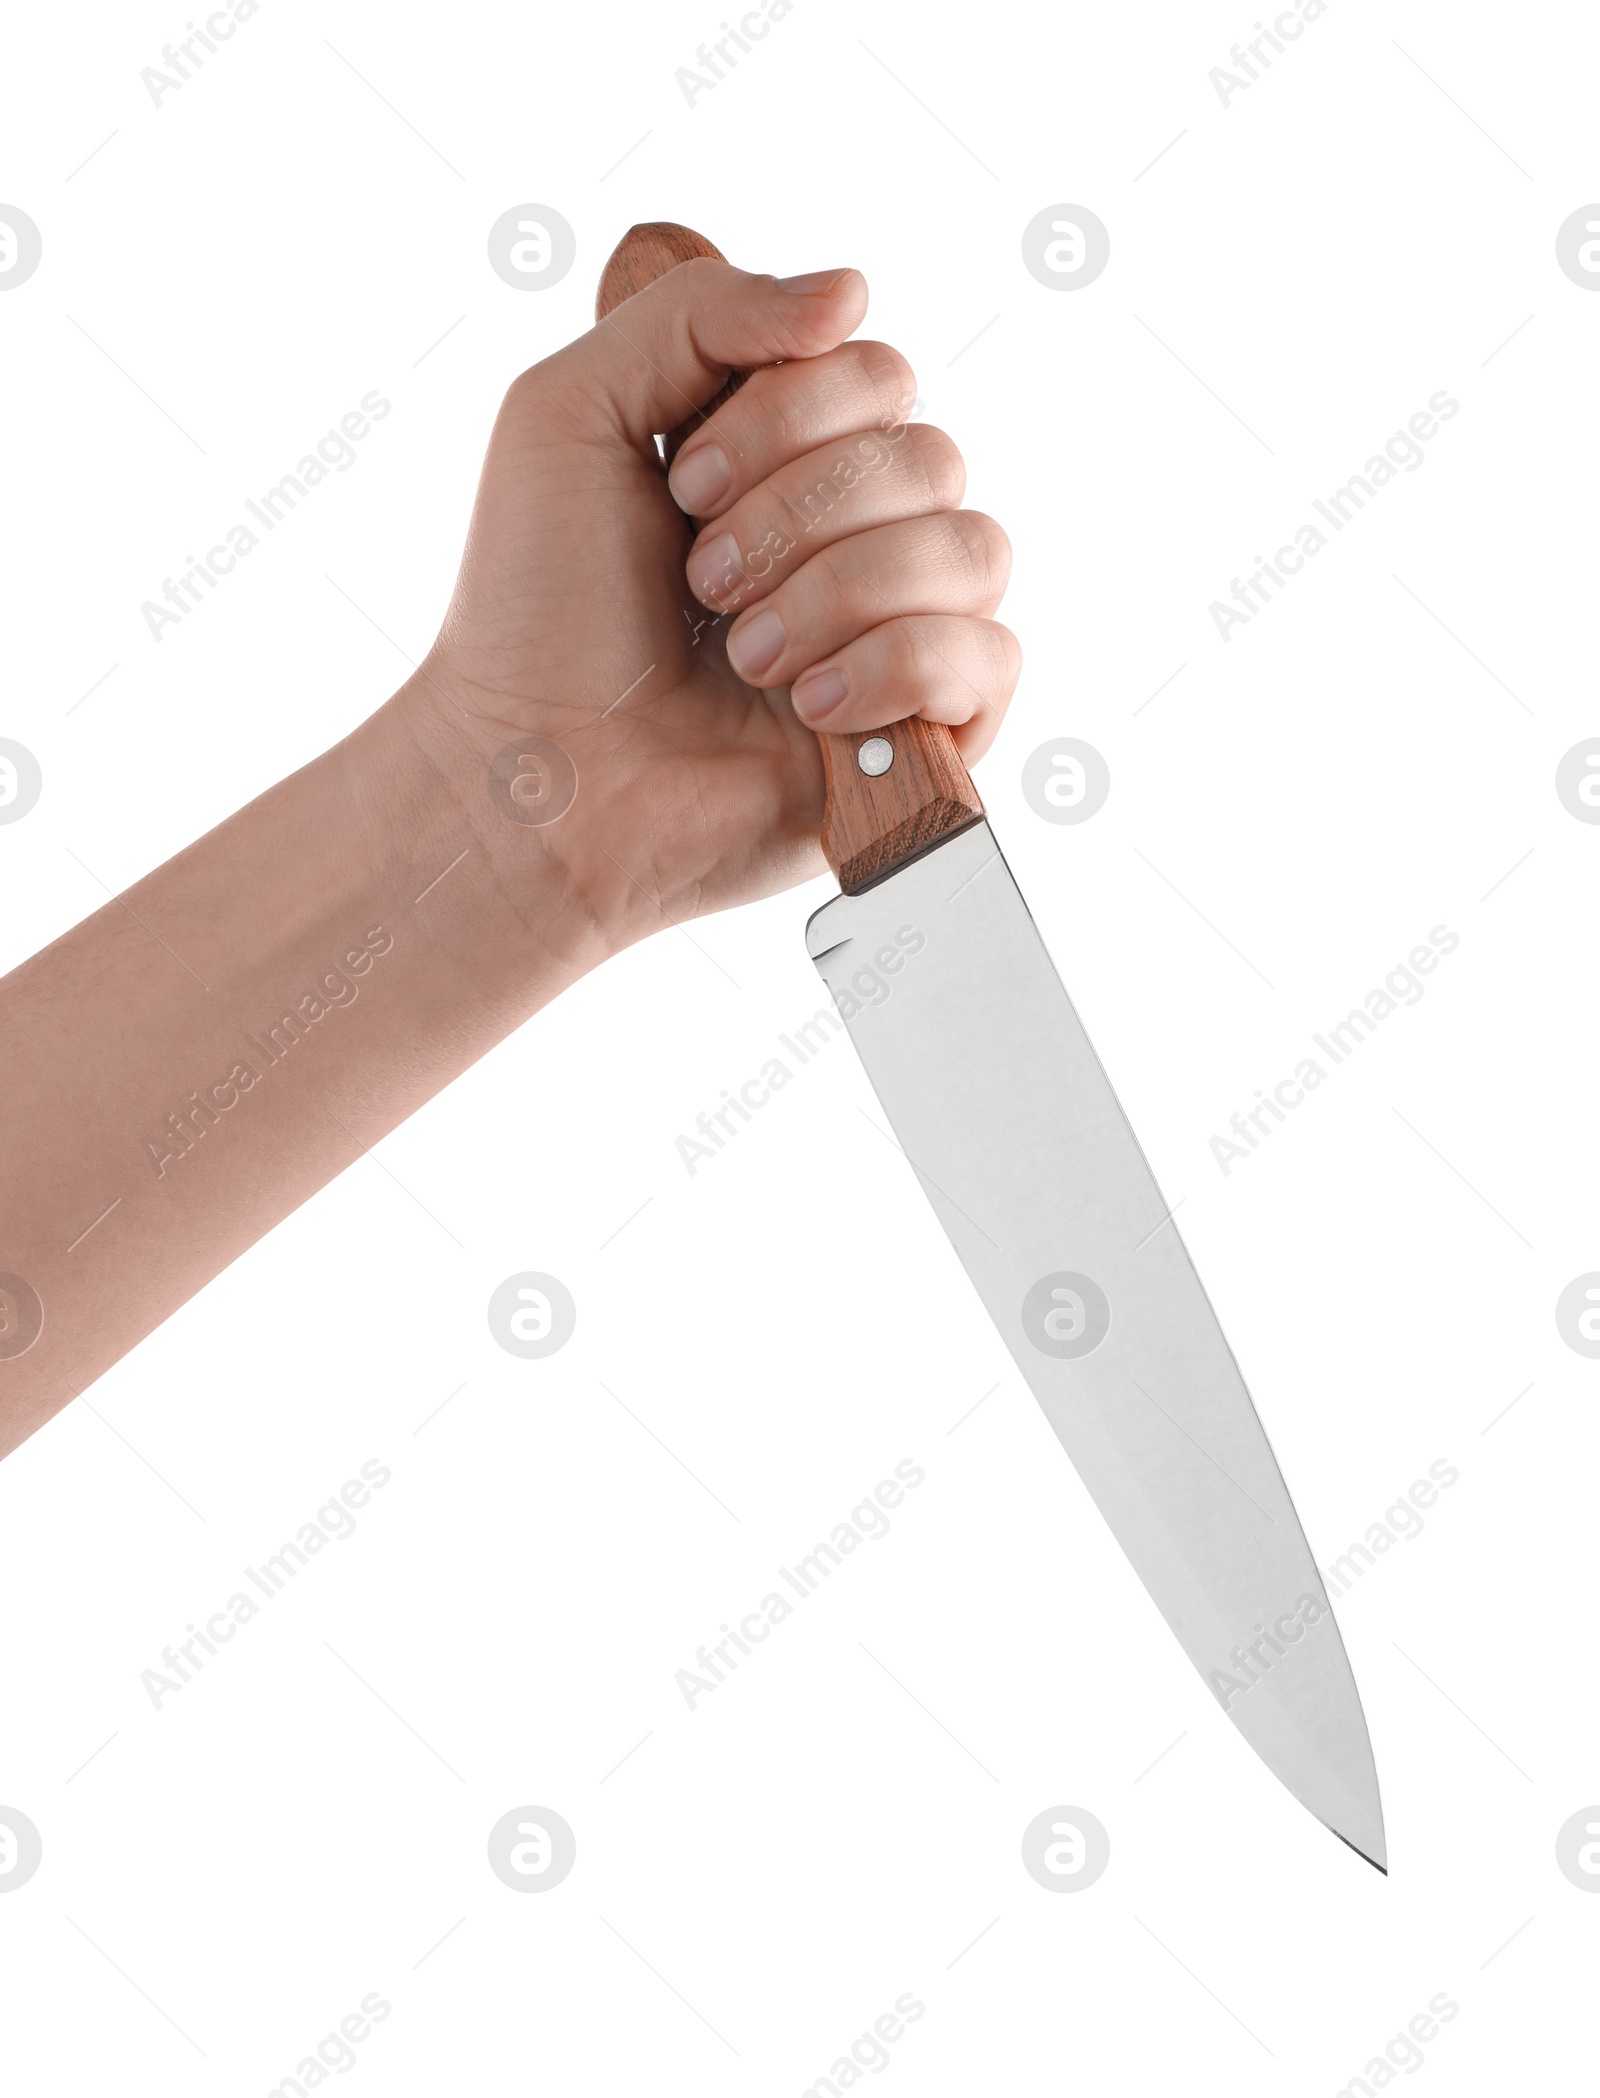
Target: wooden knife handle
{"points": [[871, 823]]}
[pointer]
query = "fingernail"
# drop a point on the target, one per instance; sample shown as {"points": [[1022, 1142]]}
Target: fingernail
{"points": [[714, 572], [814, 281], [818, 693], [755, 647], [700, 479]]}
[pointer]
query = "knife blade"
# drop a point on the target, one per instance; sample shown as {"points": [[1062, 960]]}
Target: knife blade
{"points": [[1006, 1116]]}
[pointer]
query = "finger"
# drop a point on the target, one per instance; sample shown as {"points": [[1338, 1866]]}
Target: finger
{"points": [[814, 502], [787, 410], [663, 353], [956, 561], [961, 672]]}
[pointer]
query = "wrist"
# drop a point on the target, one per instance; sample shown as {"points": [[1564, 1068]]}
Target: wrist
{"points": [[559, 808], [498, 891]]}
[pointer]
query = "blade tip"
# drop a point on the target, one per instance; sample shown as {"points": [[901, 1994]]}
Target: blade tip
{"points": [[1379, 1864]]}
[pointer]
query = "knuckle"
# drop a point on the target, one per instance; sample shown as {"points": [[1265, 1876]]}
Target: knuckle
{"points": [[757, 521], [904, 663], [985, 549], [751, 398], [755, 420], [539, 404], [806, 496], [997, 660], [887, 372], [752, 568], [837, 576], [801, 333], [926, 679], [1008, 654], [939, 462], [915, 659]]}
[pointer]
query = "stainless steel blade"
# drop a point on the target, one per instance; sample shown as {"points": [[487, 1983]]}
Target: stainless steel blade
{"points": [[1005, 1114]]}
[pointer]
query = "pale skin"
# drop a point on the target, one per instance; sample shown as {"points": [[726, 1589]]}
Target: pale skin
{"points": [[701, 789]]}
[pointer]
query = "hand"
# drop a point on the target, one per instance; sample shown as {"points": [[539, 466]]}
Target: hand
{"points": [[835, 585]]}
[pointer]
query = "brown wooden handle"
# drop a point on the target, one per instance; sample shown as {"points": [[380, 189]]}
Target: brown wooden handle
{"points": [[872, 822]]}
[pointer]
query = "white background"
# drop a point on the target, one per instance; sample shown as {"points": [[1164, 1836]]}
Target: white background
{"points": [[761, 1343]]}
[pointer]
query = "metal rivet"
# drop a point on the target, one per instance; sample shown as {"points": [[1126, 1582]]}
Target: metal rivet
{"points": [[875, 756]]}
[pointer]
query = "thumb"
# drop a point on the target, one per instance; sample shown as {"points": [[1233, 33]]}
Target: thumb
{"points": [[662, 354]]}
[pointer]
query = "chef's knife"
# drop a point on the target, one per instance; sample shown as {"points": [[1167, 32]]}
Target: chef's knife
{"points": [[1007, 1118]]}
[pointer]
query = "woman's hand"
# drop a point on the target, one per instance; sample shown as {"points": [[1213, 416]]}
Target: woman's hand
{"points": [[834, 583]]}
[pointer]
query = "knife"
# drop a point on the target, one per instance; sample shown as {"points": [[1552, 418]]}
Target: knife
{"points": [[1008, 1120]]}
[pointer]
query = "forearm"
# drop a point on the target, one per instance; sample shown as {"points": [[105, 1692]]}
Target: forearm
{"points": [[195, 1060]]}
